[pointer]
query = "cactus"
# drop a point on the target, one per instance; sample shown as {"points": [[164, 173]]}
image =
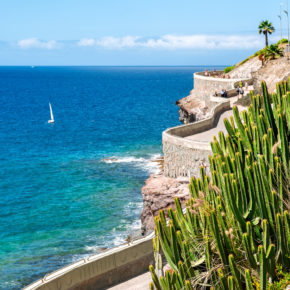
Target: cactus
{"points": [[249, 283], [238, 219]]}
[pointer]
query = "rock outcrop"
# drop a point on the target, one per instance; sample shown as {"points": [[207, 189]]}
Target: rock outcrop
{"points": [[192, 109], [159, 193]]}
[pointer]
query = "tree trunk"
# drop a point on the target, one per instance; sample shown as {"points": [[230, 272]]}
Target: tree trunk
{"points": [[266, 37]]}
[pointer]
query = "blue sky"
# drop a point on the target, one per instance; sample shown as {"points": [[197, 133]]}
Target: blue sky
{"points": [[132, 32]]}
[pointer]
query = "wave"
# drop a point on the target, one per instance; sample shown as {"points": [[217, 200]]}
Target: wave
{"points": [[149, 164], [115, 159]]}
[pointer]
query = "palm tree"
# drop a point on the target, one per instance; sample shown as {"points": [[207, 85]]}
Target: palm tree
{"points": [[266, 28], [273, 51]]}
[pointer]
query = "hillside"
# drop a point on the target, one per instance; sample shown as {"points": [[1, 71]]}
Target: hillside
{"points": [[273, 71]]}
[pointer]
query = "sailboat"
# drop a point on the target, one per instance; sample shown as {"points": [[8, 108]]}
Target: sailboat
{"points": [[51, 115]]}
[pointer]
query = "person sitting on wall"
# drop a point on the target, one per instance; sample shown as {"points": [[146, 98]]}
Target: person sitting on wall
{"points": [[205, 72], [225, 93], [222, 93]]}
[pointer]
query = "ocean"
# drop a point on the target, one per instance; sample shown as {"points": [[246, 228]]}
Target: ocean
{"points": [[70, 188]]}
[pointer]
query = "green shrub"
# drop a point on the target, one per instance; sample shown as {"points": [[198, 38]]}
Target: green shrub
{"points": [[284, 40], [284, 280], [229, 68]]}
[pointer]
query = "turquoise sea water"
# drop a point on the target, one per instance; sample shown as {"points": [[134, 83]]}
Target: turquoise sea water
{"points": [[70, 188]]}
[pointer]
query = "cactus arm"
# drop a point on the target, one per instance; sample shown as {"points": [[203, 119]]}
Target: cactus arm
{"points": [[263, 268], [218, 239], [249, 283], [235, 272], [223, 280], [231, 283], [154, 278], [249, 252]]}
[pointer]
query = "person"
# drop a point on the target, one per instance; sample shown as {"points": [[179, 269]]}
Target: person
{"points": [[238, 91], [241, 91], [241, 84], [222, 93], [246, 86], [225, 93], [205, 72]]}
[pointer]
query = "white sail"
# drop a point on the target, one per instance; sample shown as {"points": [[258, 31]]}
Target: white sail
{"points": [[51, 115]]}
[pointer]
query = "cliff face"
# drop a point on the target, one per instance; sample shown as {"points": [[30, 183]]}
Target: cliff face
{"points": [[245, 70], [159, 193], [191, 109]]}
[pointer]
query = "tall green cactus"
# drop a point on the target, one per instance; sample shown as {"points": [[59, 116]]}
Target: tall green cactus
{"points": [[239, 218]]}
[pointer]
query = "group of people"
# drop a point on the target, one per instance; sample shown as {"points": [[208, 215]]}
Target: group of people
{"points": [[239, 90], [223, 93]]}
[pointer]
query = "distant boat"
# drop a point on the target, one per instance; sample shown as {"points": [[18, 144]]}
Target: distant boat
{"points": [[51, 115]]}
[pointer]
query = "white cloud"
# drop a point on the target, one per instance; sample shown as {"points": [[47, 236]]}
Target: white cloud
{"points": [[119, 42], [86, 42], [195, 41], [36, 43]]}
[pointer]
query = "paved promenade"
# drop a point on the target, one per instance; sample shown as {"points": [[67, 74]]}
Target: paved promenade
{"points": [[207, 136], [138, 283]]}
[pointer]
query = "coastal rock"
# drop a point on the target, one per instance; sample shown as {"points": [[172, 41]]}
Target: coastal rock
{"points": [[192, 109], [159, 193]]}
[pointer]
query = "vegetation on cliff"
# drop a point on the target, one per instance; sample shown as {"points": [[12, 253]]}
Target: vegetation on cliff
{"points": [[235, 232]]}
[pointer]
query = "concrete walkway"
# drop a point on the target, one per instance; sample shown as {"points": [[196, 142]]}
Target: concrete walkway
{"points": [[207, 136], [137, 283]]}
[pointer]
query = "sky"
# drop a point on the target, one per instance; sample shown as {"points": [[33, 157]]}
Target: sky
{"points": [[134, 32]]}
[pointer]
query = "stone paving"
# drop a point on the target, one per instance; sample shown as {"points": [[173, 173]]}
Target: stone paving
{"points": [[207, 136], [137, 283]]}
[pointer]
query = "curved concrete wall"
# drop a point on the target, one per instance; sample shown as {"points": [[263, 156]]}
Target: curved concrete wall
{"points": [[103, 270], [205, 86], [183, 157]]}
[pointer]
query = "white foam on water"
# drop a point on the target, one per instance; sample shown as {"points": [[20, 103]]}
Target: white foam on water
{"points": [[128, 159], [149, 164]]}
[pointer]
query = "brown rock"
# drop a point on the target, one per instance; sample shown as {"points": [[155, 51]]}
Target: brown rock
{"points": [[159, 193]]}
